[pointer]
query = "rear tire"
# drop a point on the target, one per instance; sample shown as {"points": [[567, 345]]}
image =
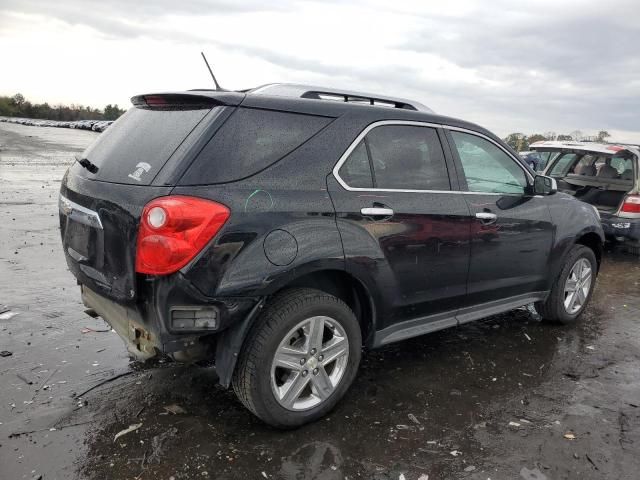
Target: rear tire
{"points": [[299, 358], [570, 293]]}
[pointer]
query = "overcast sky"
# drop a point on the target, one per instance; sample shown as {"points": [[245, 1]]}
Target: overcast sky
{"points": [[536, 66]]}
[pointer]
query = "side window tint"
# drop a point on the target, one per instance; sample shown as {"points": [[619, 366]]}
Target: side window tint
{"points": [[486, 167], [249, 141], [407, 157], [356, 171]]}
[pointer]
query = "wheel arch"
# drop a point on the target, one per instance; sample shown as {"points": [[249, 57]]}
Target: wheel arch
{"points": [[593, 241], [334, 281], [346, 287]]}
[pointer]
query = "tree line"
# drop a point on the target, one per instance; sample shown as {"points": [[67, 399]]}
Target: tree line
{"points": [[520, 142], [18, 106]]}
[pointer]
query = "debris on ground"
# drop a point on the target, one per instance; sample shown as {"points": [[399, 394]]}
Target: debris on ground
{"points": [[5, 353], [413, 418], [569, 436], [6, 313], [470, 468], [528, 337], [534, 474], [455, 453], [175, 409], [110, 379], [24, 379], [514, 424], [132, 428], [158, 443], [93, 330]]}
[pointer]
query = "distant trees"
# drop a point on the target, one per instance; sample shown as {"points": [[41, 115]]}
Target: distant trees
{"points": [[18, 106], [536, 137], [111, 112], [521, 142]]}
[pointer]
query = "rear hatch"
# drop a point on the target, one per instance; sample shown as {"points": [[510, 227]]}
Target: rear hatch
{"points": [[136, 159], [601, 175]]}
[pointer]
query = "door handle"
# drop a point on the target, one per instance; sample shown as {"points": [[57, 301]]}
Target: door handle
{"points": [[376, 212], [486, 217]]}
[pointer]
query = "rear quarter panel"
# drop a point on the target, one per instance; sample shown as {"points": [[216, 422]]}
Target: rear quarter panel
{"points": [[288, 200]]}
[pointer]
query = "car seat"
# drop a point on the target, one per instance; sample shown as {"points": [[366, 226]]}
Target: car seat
{"points": [[586, 170], [607, 171]]}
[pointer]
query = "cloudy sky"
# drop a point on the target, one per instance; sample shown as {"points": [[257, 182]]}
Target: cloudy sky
{"points": [[535, 66]]}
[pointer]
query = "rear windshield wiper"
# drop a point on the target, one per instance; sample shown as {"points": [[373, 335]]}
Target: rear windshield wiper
{"points": [[93, 168]]}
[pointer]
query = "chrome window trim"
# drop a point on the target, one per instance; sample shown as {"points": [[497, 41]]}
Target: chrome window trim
{"points": [[412, 123], [79, 213]]}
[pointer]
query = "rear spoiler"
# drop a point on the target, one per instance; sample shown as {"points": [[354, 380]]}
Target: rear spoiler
{"points": [[190, 100]]}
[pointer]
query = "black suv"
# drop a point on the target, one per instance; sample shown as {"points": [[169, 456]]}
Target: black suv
{"points": [[280, 230]]}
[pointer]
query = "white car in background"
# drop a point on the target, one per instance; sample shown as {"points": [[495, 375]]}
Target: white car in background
{"points": [[603, 175]]}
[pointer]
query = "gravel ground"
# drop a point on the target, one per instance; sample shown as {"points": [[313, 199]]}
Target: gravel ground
{"points": [[505, 398]]}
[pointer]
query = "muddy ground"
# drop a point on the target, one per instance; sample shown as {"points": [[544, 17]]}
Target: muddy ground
{"points": [[505, 398]]}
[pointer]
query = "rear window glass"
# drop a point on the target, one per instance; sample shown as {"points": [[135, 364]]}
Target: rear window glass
{"points": [[250, 141], [136, 147]]}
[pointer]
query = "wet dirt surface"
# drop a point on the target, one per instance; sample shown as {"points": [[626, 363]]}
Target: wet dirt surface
{"points": [[504, 398]]}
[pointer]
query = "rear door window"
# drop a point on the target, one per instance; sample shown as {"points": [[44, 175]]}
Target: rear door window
{"points": [[397, 157], [138, 144], [407, 158], [250, 141]]}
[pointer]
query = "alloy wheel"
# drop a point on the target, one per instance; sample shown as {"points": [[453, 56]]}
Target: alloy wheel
{"points": [[577, 286], [309, 363]]}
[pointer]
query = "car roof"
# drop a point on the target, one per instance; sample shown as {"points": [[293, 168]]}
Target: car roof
{"points": [[330, 108], [556, 145]]}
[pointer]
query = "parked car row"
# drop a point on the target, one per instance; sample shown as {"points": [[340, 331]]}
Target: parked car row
{"points": [[95, 125]]}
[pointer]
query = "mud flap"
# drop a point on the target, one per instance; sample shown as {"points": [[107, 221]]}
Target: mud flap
{"points": [[229, 346]]}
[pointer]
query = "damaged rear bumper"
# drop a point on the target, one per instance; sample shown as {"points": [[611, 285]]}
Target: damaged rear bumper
{"points": [[142, 340], [152, 327]]}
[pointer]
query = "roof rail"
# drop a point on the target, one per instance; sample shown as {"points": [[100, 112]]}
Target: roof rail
{"points": [[332, 94]]}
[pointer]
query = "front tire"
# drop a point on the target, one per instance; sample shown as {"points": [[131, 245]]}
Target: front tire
{"points": [[299, 359], [572, 289]]}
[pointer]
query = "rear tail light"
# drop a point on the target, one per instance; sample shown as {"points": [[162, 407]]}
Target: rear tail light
{"points": [[631, 204], [173, 230]]}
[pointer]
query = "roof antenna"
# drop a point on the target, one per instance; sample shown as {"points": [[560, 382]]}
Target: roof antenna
{"points": [[218, 87]]}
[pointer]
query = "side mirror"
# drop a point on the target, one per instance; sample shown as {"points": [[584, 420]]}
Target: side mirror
{"points": [[543, 185]]}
